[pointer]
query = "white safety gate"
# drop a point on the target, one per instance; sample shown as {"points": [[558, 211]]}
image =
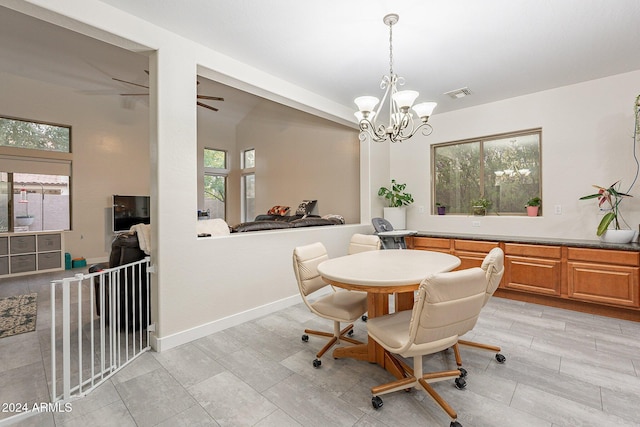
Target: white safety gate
{"points": [[99, 323]]}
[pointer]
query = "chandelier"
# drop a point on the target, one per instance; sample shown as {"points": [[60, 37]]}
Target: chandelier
{"points": [[401, 125]]}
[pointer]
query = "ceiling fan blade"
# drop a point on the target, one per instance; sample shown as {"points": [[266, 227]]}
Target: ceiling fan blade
{"points": [[206, 106], [130, 83], [211, 98], [134, 94]]}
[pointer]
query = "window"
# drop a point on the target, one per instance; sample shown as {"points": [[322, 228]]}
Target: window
{"points": [[248, 185], [249, 159], [34, 135], [215, 182], [504, 169], [35, 176]]}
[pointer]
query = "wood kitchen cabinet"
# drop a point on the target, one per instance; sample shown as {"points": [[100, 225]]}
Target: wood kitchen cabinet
{"points": [[603, 276], [429, 244], [471, 252], [533, 268], [582, 276]]}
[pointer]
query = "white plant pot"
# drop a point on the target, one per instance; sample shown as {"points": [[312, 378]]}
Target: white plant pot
{"points": [[618, 236], [397, 217]]}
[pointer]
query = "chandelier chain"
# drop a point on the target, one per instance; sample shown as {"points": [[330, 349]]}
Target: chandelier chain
{"points": [[390, 49]]}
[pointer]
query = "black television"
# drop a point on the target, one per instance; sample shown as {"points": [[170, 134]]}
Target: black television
{"points": [[129, 211]]}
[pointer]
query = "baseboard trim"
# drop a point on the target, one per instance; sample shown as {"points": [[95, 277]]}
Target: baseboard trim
{"points": [[174, 340]]}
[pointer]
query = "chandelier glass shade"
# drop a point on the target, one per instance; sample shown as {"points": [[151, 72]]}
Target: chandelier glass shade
{"points": [[401, 123]]}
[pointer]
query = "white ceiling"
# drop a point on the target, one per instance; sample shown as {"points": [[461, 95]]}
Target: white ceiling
{"points": [[339, 49]]}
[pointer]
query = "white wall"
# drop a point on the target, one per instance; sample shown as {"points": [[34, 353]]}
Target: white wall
{"points": [[302, 157], [587, 131], [110, 147]]}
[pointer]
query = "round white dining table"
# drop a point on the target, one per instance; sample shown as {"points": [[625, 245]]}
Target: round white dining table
{"points": [[380, 274], [395, 268]]}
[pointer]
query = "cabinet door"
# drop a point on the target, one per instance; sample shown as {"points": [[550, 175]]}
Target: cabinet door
{"points": [[608, 284], [472, 252], [431, 244], [537, 275]]}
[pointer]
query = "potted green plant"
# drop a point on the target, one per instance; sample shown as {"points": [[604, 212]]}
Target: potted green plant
{"points": [[533, 205], [610, 197], [397, 200], [441, 208], [480, 206]]}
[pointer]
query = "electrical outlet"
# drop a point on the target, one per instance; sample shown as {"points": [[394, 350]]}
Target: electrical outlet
{"points": [[475, 223], [557, 209], [421, 209]]}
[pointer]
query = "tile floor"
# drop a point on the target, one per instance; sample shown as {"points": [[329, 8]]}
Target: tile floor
{"points": [[563, 369]]}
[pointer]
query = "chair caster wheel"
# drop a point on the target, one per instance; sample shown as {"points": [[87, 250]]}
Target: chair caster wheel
{"points": [[460, 383], [365, 318], [350, 333], [500, 358], [376, 402], [463, 372], [305, 338], [317, 363], [455, 424]]}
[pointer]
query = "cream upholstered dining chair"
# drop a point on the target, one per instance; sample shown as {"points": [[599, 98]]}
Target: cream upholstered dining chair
{"points": [[339, 306], [447, 303], [363, 242], [493, 266]]}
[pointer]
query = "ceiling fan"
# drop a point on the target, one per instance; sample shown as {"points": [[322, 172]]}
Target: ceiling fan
{"points": [[200, 104]]}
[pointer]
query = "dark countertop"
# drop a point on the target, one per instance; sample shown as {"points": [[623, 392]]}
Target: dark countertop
{"points": [[595, 244]]}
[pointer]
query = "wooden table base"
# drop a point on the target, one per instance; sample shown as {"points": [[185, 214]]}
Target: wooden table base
{"points": [[372, 352]]}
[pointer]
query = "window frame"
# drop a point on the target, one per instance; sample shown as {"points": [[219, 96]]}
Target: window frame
{"points": [[482, 140], [40, 122], [244, 173], [218, 172]]}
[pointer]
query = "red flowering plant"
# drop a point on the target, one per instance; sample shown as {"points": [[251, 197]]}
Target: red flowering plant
{"points": [[612, 197]]}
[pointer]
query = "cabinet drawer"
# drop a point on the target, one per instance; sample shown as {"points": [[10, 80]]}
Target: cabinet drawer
{"points": [[537, 275], [539, 251], [604, 256], [608, 284], [22, 263], [23, 244], [4, 245], [474, 246], [49, 242], [431, 243], [49, 260], [4, 265]]}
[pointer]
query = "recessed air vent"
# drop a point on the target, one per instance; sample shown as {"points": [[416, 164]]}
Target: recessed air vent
{"points": [[458, 93]]}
